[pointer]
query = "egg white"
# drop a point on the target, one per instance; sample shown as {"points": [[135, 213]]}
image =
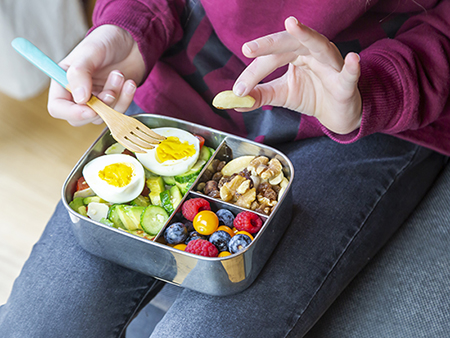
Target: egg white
{"points": [[107, 191], [171, 167]]}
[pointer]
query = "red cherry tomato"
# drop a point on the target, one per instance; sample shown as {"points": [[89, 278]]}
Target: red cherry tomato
{"points": [[201, 139], [81, 184]]}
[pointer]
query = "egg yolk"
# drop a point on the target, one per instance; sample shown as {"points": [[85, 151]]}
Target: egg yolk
{"points": [[117, 174], [173, 149]]}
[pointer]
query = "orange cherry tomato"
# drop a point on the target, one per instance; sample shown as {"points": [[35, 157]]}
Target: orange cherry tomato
{"points": [[206, 222], [180, 246], [245, 233], [224, 254], [226, 229], [235, 231]]}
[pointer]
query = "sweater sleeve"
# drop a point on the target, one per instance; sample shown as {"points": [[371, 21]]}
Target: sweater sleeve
{"points": [[405, 81], [153, 24]]}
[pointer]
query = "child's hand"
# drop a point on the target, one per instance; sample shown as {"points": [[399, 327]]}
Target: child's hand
{"points": [[319, 82], [99, 65]]}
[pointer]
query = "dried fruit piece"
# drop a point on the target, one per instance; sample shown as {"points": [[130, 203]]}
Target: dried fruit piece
{"points": [[229, 100]]}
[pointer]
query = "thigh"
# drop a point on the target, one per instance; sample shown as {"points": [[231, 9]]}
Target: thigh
{"points": [[63, 291], [348, 200]]}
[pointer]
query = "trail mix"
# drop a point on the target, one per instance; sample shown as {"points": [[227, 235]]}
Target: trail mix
{"points": [[253, 182]]}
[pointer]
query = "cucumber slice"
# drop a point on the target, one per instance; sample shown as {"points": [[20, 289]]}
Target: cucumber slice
{"points": [[170, 199], [76, 203], [141, 201], [205, 154], [90, 199], [175, 196], [115, 148], [165, 201], [134, 215], [153, 219], [113, 216], [184, 187], [169, 180]]}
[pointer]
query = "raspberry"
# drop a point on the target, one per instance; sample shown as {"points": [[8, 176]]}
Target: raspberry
{"points": [[191, 207], [248, 221], [202, 247]]}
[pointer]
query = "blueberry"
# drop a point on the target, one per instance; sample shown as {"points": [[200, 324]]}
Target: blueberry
{"points": [[193, 235], [239, 242], [189, 226], [220, 239], [225, 217], [175, 233]]}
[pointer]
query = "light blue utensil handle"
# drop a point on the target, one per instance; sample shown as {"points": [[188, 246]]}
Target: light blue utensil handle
{"points": [[40, 60]]}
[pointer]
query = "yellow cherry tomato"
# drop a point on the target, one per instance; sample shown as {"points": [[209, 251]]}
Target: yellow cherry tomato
{"points": [[206, 222], [226, 229], [224, 254]]}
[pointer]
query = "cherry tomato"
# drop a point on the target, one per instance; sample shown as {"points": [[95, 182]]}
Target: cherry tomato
{"points": [[224, 254], [206, 222], [245, 233], [201, 139], [81, 184], [180, 246], [226, 229]]}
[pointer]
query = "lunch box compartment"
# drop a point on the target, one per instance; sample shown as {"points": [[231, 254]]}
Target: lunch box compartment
{"points": [[214, 276]]}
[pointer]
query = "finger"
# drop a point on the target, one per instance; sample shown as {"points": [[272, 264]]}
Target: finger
{"points": [[281, 42], [319, 46], [126, 96], [61, 106], [79, 72], [272, 93], [260, 68], [349, 76], [114, 83]]}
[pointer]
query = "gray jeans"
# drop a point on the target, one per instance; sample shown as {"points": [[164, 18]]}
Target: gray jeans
{"points": [[348, 200]]}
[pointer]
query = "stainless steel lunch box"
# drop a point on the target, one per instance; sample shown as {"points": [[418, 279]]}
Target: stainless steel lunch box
{"points": [[214, 276]]}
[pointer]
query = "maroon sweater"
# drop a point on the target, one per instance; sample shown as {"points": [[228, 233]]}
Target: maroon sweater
{"points": [[192, 50]]}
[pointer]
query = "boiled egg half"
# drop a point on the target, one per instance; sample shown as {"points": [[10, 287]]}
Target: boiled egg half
{"points": [[173, 156], [116, 178]]}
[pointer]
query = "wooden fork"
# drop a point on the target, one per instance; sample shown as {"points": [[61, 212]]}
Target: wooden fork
{"points": [[128, 131]]}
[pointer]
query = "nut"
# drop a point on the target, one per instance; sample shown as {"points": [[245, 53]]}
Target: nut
{"points": [[277, 179], [258, 164], [247, 198], [217, 176], [210, 186], [213, 165], [244, 187], [274, 169], [201, 186]]}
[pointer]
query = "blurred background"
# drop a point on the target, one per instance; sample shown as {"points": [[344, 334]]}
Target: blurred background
{"points": [[37, 152]]}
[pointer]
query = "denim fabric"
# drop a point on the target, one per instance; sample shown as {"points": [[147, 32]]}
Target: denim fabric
{"points": [[348, 200], [403, 292]]}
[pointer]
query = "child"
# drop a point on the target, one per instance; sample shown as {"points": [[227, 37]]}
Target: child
{"points": [[360, 131]]}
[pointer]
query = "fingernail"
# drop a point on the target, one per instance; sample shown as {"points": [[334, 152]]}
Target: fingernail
{"points": [[130, 88], [293, 17], [239, 88], [252, 46], [108, 99], [359, 57], [116, 79], [79, 94]]}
